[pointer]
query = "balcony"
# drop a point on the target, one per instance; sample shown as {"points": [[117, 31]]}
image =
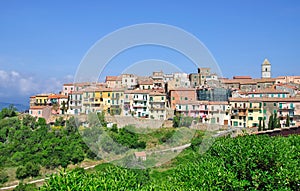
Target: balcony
{"points": [[140, 99], [286, 108]]}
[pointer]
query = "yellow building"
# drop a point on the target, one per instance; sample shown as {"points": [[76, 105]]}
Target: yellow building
{"points": [[105, 99], [246, 112], [41, 99]]}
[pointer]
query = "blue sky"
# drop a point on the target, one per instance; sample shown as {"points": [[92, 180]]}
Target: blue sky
{"points": [[43, 42]]}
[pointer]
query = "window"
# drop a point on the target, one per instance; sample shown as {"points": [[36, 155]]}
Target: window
{"points": [[179, 106], [108, 101], [148, 87], [250, 105], [108, 94], [265, 104], [39, 112], [235, 123], [292, 105], [250, 118], [250, 111], [173, 98], [185, 98], [274, 104], [265, 111], [162, 98], [260, 118]]}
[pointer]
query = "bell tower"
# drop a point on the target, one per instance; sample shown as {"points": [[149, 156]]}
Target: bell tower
{"points": [[266, 69]]}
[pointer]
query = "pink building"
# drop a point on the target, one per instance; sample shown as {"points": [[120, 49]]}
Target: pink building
{"points": [[67, 89], [181, 94], [40, 111]]}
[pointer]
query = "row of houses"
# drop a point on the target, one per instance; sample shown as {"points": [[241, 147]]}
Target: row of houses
{"points": [[241, 101], [239, 109]]}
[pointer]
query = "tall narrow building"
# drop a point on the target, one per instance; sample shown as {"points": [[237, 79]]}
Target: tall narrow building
{"points": [[266, 69]]}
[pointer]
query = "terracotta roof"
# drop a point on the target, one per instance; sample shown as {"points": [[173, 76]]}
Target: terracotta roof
{"points": [[32, 96], [38, 107], [192, 102], [265, 99], [113, 78], [218, 103], [69, 84], [146, 82], [247, 81], [242, 77], [57, 96], [183, 89], [43, 95], [268, 90], [157, 93]]}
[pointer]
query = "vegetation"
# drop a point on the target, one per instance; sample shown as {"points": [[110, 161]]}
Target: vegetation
{"points": [[30, 144], [182, 121], [242, 163], [288, 119], [274, 122]]}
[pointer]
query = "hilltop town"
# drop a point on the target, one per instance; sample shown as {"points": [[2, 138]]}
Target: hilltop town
{"points": [[239, 102]]}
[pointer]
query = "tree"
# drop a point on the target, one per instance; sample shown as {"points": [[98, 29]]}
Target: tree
{"points": [[41, 122], [3, 176], [287, 123], [259, 125], [8, 112], [21, 173], [264, 125], [32, 169], [270, 124], [63, 108]]}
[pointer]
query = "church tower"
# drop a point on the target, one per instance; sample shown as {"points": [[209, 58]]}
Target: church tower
{"points": [[266, 69]]}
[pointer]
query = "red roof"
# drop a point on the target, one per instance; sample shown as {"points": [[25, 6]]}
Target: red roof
{"points": [[242, 77]]}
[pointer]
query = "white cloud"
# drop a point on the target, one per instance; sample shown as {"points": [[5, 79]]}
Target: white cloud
{"points": [[15, 84]]}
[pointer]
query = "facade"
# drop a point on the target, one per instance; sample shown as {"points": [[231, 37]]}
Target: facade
{"points": [[75, 103], [158, 80], [113, 81], [157, 105], [117, 101], [140, 103], [67, 89], [195, 109], [147, 84], [219, 113], [288, 80], [129, 81], [40, 111], [181, 94], [246, 112], [180, 80]]}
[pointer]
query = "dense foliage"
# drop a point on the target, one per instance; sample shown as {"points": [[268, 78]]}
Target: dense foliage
{"points": [[30, 144], [242, 163]]}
